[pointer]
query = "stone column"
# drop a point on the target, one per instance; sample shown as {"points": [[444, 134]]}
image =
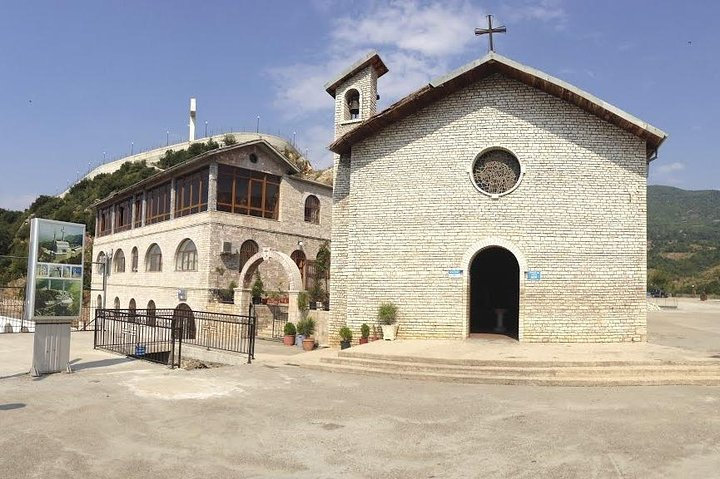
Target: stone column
{"points": [[144, 207], [172, 198], [212, 187], [132, 213]]}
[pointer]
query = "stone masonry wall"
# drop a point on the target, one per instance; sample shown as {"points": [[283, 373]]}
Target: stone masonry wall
{"points": [[365, 82], [409, 212], [208, 230]]}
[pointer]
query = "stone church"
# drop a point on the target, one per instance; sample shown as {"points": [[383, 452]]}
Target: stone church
{"points": [[496, 199]]}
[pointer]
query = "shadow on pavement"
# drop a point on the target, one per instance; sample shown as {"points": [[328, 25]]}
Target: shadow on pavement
{"points": [[98, 364], [9, 406]]}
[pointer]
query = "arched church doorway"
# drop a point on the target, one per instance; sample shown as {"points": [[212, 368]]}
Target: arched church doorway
{"points": [[183, 315], [495, 292]]}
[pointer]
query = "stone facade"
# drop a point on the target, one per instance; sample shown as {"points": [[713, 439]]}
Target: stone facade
{"points": [[406, 214], [209, 230]]}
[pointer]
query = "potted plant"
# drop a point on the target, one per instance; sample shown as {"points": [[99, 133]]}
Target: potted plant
{"points": [[289, 331], [306, 327], [257, 289], [316, 295], [303, 303], [375, 336], [364, 333], [345, 336], [387, 317]]}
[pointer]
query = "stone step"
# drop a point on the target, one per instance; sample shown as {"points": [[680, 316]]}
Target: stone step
{"points": [[528, 370], [354, 354], [706, 378]]}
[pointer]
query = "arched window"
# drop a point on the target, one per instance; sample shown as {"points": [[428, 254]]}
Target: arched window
{"points": [[153, 259], [300, 260], [185, 319], [134, 260], [312, 209], [186, 257], [248, 249], [119, 261], [151, 313], [131, 309], [117, 303], [99, 302], [100, 266], [352, 104]]}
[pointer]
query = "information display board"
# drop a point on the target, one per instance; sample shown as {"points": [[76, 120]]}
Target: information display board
{"points": [[55, 270]]}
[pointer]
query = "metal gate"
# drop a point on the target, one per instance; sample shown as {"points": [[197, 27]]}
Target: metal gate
{"points": [[280, 317]]}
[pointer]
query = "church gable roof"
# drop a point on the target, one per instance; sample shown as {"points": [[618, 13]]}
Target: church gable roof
{"points": [[484, 67], [372, 58]]}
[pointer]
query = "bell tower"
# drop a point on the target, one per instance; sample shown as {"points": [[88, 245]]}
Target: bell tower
{"points": [[355, 92]]}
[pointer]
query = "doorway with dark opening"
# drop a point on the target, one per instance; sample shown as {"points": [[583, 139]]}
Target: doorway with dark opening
{"points": [[495, 292]]}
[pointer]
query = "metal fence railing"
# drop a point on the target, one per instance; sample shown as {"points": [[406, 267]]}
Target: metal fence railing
{"points": [[12, 312], [135, 333], [158, 335]]}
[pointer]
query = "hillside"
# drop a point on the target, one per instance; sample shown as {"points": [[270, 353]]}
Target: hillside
{"points": [[75, 205], [684, 239]]}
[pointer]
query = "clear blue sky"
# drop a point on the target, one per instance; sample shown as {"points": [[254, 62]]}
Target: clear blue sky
{"points": [[83, 78]]}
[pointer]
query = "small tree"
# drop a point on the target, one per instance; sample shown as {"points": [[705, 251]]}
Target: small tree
{"points": [[303, 303], [257, 287], [322, 267]]}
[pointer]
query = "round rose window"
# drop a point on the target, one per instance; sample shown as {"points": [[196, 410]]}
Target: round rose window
{"points": [[496, 172]]}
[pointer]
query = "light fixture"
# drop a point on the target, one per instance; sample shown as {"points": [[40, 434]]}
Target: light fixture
{"points": [[300, 244]]}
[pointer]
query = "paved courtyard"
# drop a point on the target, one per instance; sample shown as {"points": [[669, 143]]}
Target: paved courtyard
{"points": [[121, 418]]}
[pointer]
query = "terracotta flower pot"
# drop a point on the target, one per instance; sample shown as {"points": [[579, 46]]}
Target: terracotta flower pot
{"points": [[289, 340], [363, 340], [309, 344]]}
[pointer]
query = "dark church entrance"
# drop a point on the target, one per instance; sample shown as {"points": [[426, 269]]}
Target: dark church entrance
{"points": [[494, 292]]}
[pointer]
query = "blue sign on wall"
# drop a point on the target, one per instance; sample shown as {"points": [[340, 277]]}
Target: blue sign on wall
{"points": [[455, 273], [533, 275]]}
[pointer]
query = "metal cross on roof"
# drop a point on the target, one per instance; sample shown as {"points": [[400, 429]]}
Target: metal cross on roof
{"points": [[490, 30]]}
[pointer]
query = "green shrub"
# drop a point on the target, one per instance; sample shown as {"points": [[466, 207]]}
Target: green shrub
{"points": [[257, 288], [303, 301], [345, 333], [289, 329], [229, 140], [306, 327], [387, 313], [365, 330]]}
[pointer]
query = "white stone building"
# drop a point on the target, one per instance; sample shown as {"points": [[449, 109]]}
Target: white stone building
{"points": [[184, 235], [495, 194]]}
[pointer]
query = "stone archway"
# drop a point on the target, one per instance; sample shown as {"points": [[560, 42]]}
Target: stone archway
{"points": [[494, 292], [494, 287], [291, 270]]}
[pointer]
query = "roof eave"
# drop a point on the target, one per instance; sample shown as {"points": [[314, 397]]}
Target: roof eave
{"points": [[485, 66], [190, 164], [372, 58]]}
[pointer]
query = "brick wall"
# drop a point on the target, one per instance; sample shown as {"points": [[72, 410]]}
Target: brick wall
{"points": [[406, 211]]}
